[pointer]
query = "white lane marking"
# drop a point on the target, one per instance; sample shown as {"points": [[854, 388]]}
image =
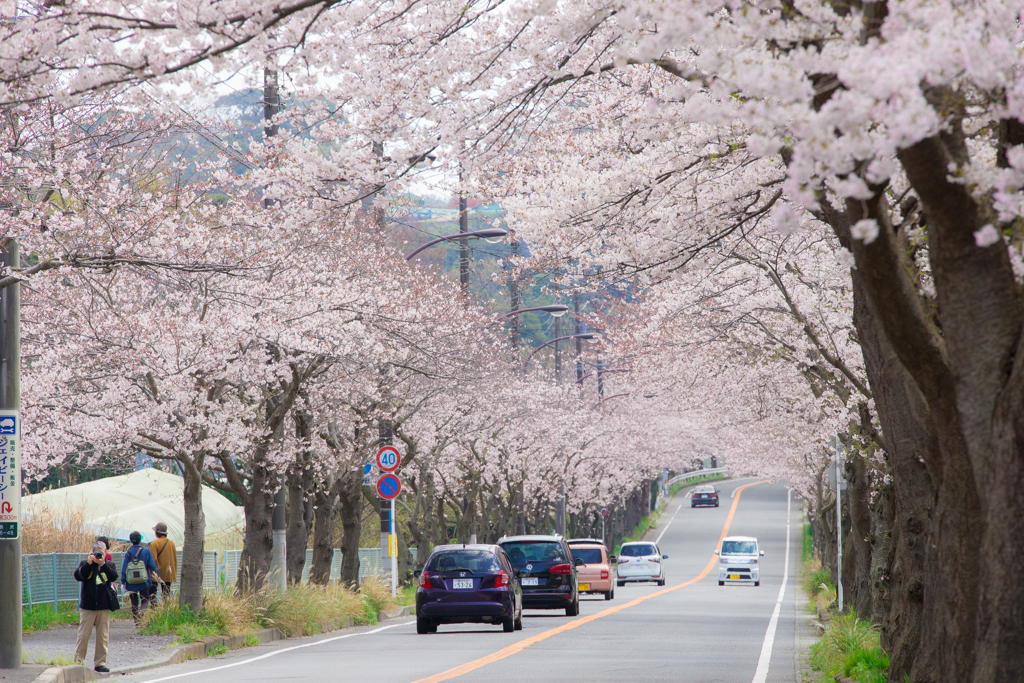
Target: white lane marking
{"points": [[761, 673], [658, 539], [275, 653]]}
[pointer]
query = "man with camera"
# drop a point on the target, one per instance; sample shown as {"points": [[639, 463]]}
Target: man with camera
{"points": [[97, 576]]}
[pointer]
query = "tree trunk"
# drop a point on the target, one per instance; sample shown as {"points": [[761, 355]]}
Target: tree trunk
{"points": [[190, 595], [350, 499], [858, 543], [300, 483], [323, 530], [258, 545]]}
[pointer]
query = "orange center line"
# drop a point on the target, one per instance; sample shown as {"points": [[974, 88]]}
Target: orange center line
{"points": [[521, 645]]}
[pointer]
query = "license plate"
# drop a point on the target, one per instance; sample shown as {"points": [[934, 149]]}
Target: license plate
{"points": [[462, 584], [734, 576], [529, 581], [584, 586]]}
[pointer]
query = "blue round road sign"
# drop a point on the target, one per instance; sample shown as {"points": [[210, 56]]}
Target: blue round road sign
{"points": [[388, 487]]}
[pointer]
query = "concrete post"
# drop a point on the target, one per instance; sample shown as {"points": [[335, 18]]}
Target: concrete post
{"points": [[10, 399]]}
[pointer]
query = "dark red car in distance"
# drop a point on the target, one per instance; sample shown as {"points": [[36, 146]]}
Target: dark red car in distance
{"points": [[704, 495]]}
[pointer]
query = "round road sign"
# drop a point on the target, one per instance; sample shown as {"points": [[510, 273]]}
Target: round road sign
{"points": [[388, 487], [389, 459]]}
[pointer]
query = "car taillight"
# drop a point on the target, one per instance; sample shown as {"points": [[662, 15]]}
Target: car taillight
{"points": [[604, 573], [623, 559], [425, 580], [501, 579], [561, 569], [654, 559]]}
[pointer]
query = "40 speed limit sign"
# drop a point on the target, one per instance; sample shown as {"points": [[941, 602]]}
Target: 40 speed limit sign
{"points": [[389, 459]]}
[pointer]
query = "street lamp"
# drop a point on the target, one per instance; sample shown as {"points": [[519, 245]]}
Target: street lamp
{"points": [[472, 234], [588, 337], [463, 237]]}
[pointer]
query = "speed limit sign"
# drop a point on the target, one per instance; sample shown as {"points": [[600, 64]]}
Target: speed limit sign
{"points": [[388, 459]]}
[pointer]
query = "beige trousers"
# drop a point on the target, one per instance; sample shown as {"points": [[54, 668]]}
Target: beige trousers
{"points": [[101, 620]]}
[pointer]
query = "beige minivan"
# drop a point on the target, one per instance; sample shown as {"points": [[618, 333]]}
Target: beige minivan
{"points": [[597, 573]]}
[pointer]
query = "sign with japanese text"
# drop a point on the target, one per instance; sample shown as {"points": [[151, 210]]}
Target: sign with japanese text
{"points": [[10, 473]]}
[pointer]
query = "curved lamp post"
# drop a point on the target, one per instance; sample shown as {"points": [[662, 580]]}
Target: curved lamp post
{"points": [[585, 336], [488, 233], [556, 310]]}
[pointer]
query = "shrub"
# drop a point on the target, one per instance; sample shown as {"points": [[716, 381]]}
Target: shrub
{"points": [[848, 642], [866, 665]]}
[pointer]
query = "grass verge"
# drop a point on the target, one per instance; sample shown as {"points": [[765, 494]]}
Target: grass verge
{"points": [[298, 611], [849, 647], [43, 617], [817, 583]]}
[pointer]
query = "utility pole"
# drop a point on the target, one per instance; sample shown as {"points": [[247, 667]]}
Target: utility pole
{"points": [[10, 399], [515, 300], [278, 566], [463, 251], [558, 354], [579, 342], [387, 513]]}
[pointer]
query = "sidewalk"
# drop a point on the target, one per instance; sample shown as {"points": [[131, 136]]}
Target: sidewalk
{"points": [[129, 651], [56, 646]]}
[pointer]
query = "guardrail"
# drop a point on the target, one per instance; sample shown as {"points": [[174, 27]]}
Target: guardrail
{"points": [[696, 474]]}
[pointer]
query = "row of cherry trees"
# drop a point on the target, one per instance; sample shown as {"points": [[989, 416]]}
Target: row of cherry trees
{"points": [[819, 204]]}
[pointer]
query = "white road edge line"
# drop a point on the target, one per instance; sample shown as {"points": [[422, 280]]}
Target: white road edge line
{"points": [[275, 653], [658, 539], [761, 672]]}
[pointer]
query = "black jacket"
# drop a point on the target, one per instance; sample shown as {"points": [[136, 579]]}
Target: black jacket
{"points": [[95, 596]]}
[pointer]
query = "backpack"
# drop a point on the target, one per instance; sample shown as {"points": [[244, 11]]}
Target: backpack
{"points": [[135, 572]]}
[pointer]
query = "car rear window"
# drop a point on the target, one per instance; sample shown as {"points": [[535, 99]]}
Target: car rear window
{"points": [[739, 547], [588, 555], [521, 552], [638, 550], [476, 561]]}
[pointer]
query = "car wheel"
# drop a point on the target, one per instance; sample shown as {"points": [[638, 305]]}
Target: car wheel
{"points": [[423, 626], [757, 583], [661, 582], [573, 609], [716, 504], [721, 583], [620, 584], [609, 594], [508, 625], [519, 622]]}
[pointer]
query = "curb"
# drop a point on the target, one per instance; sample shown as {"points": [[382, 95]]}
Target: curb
{"points": [[79, 673]]}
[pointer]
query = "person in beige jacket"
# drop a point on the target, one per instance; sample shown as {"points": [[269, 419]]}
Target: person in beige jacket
{"points": [[166, 557]]}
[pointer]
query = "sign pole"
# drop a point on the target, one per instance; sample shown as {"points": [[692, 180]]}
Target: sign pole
{"points": [[10, 400], [394, 553]]}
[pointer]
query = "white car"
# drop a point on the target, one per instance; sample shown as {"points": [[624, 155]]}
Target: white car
{"points": [[738, 560], [640, 561]]}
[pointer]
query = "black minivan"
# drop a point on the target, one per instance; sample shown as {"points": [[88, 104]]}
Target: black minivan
{"points": [[546, 571]]}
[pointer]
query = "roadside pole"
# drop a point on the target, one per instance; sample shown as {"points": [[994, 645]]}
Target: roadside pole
{"points": [[10, 399], [839, 532], [394, 553], [278, 558]]}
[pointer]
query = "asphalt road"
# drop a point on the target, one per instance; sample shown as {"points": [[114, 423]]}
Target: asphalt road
{"points": [[692, 630]]}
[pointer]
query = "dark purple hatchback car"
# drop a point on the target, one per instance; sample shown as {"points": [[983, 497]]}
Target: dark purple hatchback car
{"points": [[468, 583]]}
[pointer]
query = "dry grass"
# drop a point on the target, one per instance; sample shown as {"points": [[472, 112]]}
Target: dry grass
{"points": [[377, 594], [61, 529], [301, 610]]}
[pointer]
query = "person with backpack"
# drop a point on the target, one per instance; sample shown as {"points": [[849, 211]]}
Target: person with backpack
{"points": [[166, 556], [136, 570], [97, 601]]}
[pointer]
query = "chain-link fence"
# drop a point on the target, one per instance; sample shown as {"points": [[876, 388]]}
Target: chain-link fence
{"points": [[50, 578]]}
